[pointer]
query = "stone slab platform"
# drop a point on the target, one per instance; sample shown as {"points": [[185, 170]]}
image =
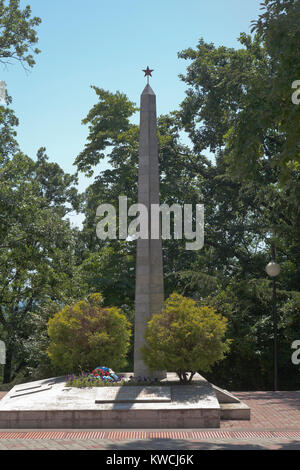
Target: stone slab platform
{"points": [[50, 404], [133, 394]]}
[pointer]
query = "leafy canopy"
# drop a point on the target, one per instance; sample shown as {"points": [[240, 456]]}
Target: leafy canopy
{"points": [[240, 100]]}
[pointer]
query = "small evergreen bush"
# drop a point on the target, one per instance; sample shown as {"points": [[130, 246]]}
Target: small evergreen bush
{"points": [[86, 334], [185, 338]]}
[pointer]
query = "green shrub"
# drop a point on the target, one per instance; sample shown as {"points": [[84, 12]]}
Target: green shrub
{"points": [[86, 335], [185, 338]]}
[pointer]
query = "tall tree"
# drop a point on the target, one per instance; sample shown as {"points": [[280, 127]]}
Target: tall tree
{"points": [[37, 253], [228, 109], [17, 40], [240, 100], [278, 29]]}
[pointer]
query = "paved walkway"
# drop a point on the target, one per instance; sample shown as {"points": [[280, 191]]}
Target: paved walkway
{"points": [[269, 410], [274, 424]]}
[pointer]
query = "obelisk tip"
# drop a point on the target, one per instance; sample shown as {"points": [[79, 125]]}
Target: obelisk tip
{"points": [[148, 90]]}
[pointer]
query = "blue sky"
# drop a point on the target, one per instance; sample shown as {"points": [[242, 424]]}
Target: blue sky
{"points": [[107, 44]]}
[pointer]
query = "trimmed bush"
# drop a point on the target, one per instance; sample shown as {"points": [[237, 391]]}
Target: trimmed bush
{"points": [[185, 338], [87, 334]]}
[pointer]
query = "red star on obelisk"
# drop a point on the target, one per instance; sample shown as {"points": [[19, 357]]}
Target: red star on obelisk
{"points": [[148, 73]]}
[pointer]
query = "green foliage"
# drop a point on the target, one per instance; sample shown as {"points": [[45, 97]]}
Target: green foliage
{"points": [[185, 338], [108, 125], [278, 27], [8, 143], [240, 100], [37, 259], [87, 334], [35, 345], [17, 33], [99, 272], [247, 305]]}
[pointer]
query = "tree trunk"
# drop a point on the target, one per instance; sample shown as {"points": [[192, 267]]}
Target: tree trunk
{"points": [[183, 376], [191, 376]]}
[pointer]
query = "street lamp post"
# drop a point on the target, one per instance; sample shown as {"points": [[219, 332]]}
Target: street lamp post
{"points": [[273, 269]]}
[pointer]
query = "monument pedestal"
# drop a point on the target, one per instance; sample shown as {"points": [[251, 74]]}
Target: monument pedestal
{"points": [[49, 404]]}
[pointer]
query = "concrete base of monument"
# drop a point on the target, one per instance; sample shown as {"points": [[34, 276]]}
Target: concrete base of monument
{"points": [[47, 404]]}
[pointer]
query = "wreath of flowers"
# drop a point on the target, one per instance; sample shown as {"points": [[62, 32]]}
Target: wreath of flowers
{"points": [[104, 373]]}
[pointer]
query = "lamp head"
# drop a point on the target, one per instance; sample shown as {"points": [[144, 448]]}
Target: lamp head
{"points": [[273, 269]]}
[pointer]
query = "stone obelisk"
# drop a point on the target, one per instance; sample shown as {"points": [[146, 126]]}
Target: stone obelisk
{"points": [[149, 291]]}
